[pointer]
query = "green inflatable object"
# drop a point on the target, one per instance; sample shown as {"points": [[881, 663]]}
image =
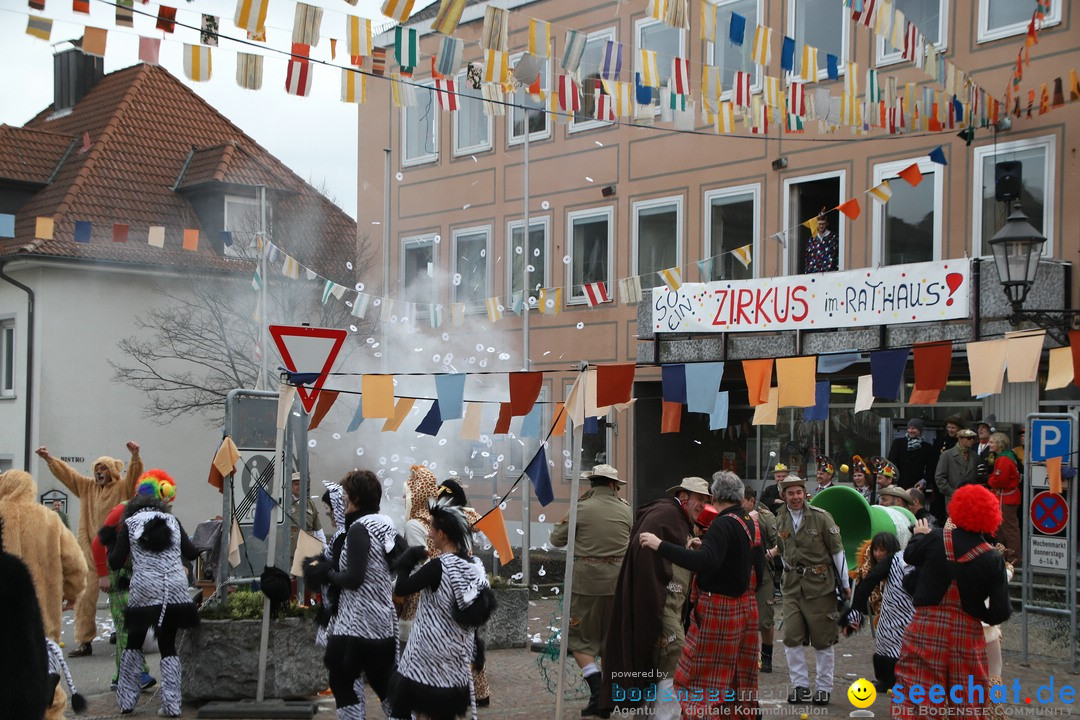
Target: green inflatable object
{"points": [[859, 521]]}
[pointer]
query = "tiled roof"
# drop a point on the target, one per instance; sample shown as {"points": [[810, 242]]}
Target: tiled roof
{"points": [[143, 124], [31, 156]]}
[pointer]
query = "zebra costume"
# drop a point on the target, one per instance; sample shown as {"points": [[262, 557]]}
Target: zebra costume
{"points": [[158, 597], [434, 676], [894, 614], [363, 630], [331, 551], [58, 669]]}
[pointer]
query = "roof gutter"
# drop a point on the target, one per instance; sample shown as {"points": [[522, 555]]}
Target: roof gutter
{"points": [[29, 404]]}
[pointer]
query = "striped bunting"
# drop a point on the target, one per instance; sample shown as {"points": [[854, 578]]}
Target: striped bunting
{"points": [[249, 71], [353, 86], [198, 64], [358, 36]]}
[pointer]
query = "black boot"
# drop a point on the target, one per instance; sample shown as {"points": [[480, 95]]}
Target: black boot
{"points": [[595, 681], [766, 658], [885, 672]]}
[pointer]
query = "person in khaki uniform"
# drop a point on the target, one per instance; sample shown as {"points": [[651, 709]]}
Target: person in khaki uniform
{"points": [[765, 594], [603, 533], [808, 540]]}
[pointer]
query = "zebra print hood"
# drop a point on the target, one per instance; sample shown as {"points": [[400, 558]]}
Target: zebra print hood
{"points": [[337, 503], [466, 576], [381, 529]]}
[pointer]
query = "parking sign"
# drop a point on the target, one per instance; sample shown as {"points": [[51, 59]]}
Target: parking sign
{"points": [[1050, 438]]}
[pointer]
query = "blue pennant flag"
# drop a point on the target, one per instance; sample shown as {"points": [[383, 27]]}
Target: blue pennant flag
{"points": [[887, 369], [718, 418], [264, 505], [591, 426], [738, 29], [643, 93], [673, 383], [432, 421], [702, 382], [358, 416], [451, 390], [82, 231], [820, 411], [538, 474], [530, 424], [938, 155], [833, 64], [787, 54]]}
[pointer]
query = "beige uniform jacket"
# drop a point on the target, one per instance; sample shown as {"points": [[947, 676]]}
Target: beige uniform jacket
{"points": [[603, 531]]}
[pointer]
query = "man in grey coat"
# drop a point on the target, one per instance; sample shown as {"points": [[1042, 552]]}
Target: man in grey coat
{"points": [[958, 465]]}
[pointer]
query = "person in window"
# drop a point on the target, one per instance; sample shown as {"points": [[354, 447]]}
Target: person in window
{"points": [[823, 248]]}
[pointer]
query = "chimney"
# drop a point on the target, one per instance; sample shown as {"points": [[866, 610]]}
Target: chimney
{"points": [[74, 75]]}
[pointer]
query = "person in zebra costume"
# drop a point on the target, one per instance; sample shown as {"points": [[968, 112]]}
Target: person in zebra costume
{"points": [[58, 668], [158, 597], [334, 499], [433, 677], [362, 634]]}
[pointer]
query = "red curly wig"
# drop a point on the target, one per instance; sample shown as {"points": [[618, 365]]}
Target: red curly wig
{"points": [[975, 509]]}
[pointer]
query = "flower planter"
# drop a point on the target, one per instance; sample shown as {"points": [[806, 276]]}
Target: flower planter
{"points": [[508, 626], [221, 660]]}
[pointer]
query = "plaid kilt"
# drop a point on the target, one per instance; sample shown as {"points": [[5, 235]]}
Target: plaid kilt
{"points": [[942, 646], [718, 669]]}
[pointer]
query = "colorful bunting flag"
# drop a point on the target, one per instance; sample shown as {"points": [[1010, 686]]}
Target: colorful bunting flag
{"points": [[249, 70], [672, 277], [881, 193], [550, 301], [742, 254], [447, 95], [596, 293], [611, 60], [742, 89], [39, 27], [630, 290], [850, 208], [655, 9], [251, 15], [448, 17], [448, 58], [937, 155], [494, 309], [398, 10], [82, 231], [709, 11], [762, 50], [650, 74], [94, 40], [166, 19], [406, 47], [307, 22], [569, 100], [155, 236], [298, 77], [539, 38], [353, 86], [191, 239], [496, 66], [787, 54], [198, 64], [495, 34], [357, 35], [573, 49], [737, 29], [208, 35], [125, 16], [494, 100], [911, 174], [725, 119], [809, 64]]}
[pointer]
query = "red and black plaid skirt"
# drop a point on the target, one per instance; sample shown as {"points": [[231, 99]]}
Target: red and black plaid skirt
{"points": [[718, 670], [943, 646]]}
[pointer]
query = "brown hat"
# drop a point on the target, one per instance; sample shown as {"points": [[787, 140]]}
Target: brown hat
{"points": [[966, 432], [955, 420], [897, 492], [792, 481], [605, 471], [691, 484]]}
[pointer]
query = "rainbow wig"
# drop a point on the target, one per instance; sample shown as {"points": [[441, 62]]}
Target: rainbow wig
{"points": [[157, 484]]}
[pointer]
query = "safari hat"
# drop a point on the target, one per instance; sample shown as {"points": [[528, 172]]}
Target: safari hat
{"points": [[897, 492], [966, 432], [792, 481], [605, 471], [691, 484]]}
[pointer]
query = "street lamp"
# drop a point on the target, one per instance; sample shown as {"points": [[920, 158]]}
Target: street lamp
{"points": [[1017, 248]]}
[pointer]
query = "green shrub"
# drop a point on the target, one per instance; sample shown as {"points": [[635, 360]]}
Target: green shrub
{"points": [[244, 604]]}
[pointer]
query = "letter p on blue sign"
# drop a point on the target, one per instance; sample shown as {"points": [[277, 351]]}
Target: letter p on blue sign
{"points": [[1050, 438]]}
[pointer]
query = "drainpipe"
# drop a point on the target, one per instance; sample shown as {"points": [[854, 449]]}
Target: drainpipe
{"points": [[27, 452]]}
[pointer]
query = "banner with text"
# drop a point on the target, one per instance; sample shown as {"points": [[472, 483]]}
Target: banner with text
{"points": [[921, 292]]}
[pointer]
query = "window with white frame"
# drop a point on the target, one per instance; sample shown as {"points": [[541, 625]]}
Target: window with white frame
{"points": [[1005, 18], [420, 129], [907, 229], [1036, 158], [7, 357], [668, 43], [932, 19], [728, 56], [589, 73], [807, 196], [472, 128], [731, 224], [657, 238], [418, 269], [821, 24], [471, 256], [530, 108], [242, 222], [589, 233], [535, 255]]}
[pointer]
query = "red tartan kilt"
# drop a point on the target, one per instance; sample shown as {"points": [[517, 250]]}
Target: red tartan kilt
{"points": [[719, 663], [942, 646]]}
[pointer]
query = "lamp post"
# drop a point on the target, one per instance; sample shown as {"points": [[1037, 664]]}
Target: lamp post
{"points": [[1017, 249]]}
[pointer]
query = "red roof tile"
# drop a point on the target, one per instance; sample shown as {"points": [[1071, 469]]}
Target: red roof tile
{"points": [[143, 124], [31, 156]]}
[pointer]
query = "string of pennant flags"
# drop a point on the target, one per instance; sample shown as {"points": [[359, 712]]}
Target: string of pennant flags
{"points": [[886, 104]]}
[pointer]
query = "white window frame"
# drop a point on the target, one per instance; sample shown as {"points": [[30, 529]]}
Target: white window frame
{"points": [[635, 212], [432, 157], [459, 151], [884, 56], [987, 153], [789, 221], [543, 221], [752, 189], [639, 25], [8, 333], [887, 171], [231, 250], [422, 239], [474, 230], [576, 125], [544, 134], [845, 43], [722, 34], [984, 33], [607, 212]]}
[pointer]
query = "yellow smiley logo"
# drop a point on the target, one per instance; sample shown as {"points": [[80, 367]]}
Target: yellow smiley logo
{"points": [[862, 694]]}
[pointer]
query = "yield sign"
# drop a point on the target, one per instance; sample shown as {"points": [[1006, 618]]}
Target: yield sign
{"points": [[308, 350]]}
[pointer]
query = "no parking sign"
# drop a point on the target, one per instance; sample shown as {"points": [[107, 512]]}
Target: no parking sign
{"points": [[1049, 513]]}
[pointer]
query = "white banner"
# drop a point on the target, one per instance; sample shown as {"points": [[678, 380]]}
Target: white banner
{"points": [[923, 292]]}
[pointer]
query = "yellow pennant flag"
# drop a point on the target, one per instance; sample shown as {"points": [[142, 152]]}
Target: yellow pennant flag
{"points": [[539, 38], [708, 21], [742, 254], [358, 36], [811, 225], [399, 10], [809, 64], [762, 52], [494, 310], [725, 119], [772, 92], [198, 64], [353, 86], [550, 301], [496, 66], [711, 82], [449, 16], [39, 27], [672, 277], [881, 192], [656, 9], [650, 75], [251, 15]]}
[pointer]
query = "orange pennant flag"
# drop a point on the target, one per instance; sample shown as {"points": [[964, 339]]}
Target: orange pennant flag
{"points": [[191, 239], [325, 402], [924, 397], [1044, 100], [932, 363], [401, 411], [795, 378], [911, 174], [758, 374], [1053, 474], [224, 463], [506, 411], [614, 384], [851, 207], [1074, 86], [524, 389], [671, 419], [494, 528], [559, 428], [378, 394]]}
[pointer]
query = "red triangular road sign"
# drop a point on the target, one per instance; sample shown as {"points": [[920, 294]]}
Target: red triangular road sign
{"points": [[308, 350]]}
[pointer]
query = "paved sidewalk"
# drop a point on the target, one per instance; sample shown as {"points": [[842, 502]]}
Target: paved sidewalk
{"points": [[519, 679]]}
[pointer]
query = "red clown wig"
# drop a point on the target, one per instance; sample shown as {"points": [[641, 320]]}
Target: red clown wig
{"points": [[975, 509]]}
